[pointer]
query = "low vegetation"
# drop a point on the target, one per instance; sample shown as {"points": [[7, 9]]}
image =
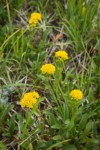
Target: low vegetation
{"points": [[49, 75]]}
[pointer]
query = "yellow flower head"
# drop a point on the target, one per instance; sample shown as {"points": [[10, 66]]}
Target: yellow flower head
{"points": [[61, 54], [76, 94], [29, 99], [32, 94], [48, 69], [35, 18]]}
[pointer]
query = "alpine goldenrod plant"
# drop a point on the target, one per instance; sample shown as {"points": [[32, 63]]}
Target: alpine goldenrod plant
{"points": [[49, 75], [76, 94], [35, 18], [66, 117], [29, 99], [61, 54], [48, 69]]}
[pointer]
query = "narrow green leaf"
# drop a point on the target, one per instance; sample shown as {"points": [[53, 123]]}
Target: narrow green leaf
{"points": [[58, 144]]}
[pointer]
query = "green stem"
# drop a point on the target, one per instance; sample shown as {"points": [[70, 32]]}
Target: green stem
{"points": [[52, 91], [56, 98], [28, 120]]}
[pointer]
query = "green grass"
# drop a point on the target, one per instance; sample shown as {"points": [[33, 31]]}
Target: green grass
{"points": [[58, 123]]}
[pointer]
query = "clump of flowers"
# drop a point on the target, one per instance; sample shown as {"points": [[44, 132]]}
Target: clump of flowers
{"points": [[35, 18], [48, 69], [76, 94], [61, 54], [29, 99]]}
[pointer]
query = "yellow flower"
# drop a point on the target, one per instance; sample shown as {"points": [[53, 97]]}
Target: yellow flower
{"points": [[35, 18], [48, 69], [61, 54], [29, 99], [32, 94], [76, 94]]}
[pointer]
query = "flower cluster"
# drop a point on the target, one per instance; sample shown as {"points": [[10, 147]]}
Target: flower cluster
{"points": [[48, 69], [61, 54], [76, 94], [34, 19], [29, 99]]}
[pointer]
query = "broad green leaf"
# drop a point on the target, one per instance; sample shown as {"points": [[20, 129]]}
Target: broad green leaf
{"points": [[88, 127], [57, 137], [56, 126], [30, 146], [12, 125], [69, 147], [5, 112], [83, 121], [2, 146]]}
